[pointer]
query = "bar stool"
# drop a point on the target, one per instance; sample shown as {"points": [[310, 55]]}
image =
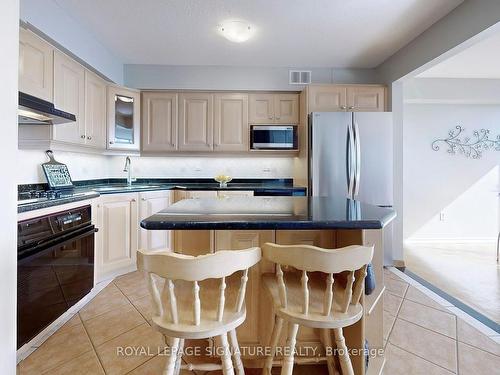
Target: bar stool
{"points": [[180, 313], [313, 301]]}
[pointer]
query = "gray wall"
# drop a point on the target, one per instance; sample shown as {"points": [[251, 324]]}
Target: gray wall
{"points": [[234, 78]]}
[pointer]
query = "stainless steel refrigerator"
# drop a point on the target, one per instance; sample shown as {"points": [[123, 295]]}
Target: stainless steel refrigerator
{"points": [[351, 155]]}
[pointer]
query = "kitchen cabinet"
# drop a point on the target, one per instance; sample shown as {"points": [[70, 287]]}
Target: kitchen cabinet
{"points": [[196, 121], [150, 203], [159, 121], [250, 331], [231, 132], [273, 108], [69, 96], [356, 98], [324, 239], [95, 111], [123, 123], [117, 238], [36, 66]]}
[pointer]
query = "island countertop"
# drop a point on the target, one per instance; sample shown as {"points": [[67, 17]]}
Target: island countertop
{"points": [[235, 213]]}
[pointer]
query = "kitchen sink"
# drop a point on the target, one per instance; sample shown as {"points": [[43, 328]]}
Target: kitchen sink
{"points": [[124, 187]]}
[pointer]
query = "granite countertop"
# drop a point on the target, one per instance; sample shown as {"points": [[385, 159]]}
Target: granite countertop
{"points": [[270, 213]]}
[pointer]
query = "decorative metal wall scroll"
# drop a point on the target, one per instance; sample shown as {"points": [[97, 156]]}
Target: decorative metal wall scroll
{"points": [[469, 146]]}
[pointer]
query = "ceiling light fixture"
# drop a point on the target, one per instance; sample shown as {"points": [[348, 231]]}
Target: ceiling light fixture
{"points": [[236, 31]]}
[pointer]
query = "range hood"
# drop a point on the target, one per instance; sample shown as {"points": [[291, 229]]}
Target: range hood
{"points": [[35, 111]]}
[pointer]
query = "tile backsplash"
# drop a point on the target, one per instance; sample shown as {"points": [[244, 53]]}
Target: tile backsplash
{"points": [[87, 166]]}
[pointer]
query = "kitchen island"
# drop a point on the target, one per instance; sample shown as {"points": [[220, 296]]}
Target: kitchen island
{"points": [[328, 222]]}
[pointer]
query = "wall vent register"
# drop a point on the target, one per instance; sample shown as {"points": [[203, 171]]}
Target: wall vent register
{"points": [[299, 77]]}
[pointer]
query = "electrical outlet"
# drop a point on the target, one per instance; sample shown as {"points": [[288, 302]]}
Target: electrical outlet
{"points": [[441, 216]]}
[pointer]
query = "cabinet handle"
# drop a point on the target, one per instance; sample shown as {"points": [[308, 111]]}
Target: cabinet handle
{"points": [[111, 142], [351, 107], [278, 117], [143, 199], [89, 137], [270, 117], [343, 107], [82, 136], [132, 200]]}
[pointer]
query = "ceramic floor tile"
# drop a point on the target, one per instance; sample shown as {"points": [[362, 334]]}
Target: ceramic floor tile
{"points": [[428, 317], [470, 335], [415, 295], [129, 350], [392, 303], [155, 366], [75, 320], [475, 361], [400, 362], [396, 287], [145, 307], [108, 299], [83, 365], [388, 323], [113, 323], [133, 285], [434, 347], [65, 345]]}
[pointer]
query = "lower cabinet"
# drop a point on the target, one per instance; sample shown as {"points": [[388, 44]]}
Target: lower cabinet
{"points": [[150, 203], [117, 238]]}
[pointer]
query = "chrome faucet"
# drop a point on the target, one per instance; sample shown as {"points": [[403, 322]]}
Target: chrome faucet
{"points": [[128, 169]]}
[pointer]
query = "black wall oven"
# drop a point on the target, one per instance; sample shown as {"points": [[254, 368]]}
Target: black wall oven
{"points": [[55, 267]]}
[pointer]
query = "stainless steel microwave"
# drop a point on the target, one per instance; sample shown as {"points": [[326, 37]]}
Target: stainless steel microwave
{"points": [[273, 137]]}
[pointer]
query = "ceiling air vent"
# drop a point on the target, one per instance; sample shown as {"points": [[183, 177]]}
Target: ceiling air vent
{"points": [[300, 77]]}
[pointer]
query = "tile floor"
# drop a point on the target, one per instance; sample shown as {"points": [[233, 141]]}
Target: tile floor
{"points": [[467, 272], [422, 336]]}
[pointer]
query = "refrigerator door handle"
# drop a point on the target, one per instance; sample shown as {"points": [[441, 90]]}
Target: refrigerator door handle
{"points": [[350, 149], [357, 158]]}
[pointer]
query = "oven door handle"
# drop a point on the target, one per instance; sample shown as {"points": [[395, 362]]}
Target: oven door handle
{"points": [[47, 246]]}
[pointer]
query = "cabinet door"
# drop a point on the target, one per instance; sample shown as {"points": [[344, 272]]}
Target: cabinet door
{"points": [[69, 96], [321, 238], [124, 113], [118, 229], [196, 122], [149, 204], [250, 331], [261, 108], [366, 98], [231, 131], [36, 66], [95, 110], [159, 121], [327, 98], [286, 108]]}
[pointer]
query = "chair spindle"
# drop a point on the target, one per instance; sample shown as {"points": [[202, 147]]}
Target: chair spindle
{"points": [[328, 301], [222, 299], [360, 283], [155, 293], [281, 284], [348, 292], [173, 301], [241, 293], [197, 303], [305, 292]]}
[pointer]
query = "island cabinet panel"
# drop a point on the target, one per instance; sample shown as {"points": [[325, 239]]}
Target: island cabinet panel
{"points": [[116, 240], [366, 98], [69, 96], [194, 242], [196, 121], [231, 131], [149, 204], [36, 66], [159, 121], [250, 332], [321, 238]]}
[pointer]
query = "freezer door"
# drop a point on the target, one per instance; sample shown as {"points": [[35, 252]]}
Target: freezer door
{"points": [[328, 153], [374, 179]]}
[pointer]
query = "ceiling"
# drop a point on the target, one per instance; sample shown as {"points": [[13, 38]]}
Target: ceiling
{"points": [[291, 33], [481, 60]]}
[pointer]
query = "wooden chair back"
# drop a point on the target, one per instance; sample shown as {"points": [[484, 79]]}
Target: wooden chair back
{"points": [[306, 258], [172, 266]]}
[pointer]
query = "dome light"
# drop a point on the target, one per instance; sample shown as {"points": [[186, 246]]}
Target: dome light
{"points": [[236, 31]]}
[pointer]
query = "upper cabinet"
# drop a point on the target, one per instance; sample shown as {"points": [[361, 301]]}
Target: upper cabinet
{"points": [[231, 131], [95, 110], [69, 96], [159, 121], [123, 118], [274, 109], [36, 66], [357, 98], [196, 121]]}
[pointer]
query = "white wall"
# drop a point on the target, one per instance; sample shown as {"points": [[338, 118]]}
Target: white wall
{"points": [[234, 78], [48, 17], [9, 40], [465, 190], [86, 166]]}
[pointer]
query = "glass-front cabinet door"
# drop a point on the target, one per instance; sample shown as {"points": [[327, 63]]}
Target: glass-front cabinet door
{"points": [[123, 118]]}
